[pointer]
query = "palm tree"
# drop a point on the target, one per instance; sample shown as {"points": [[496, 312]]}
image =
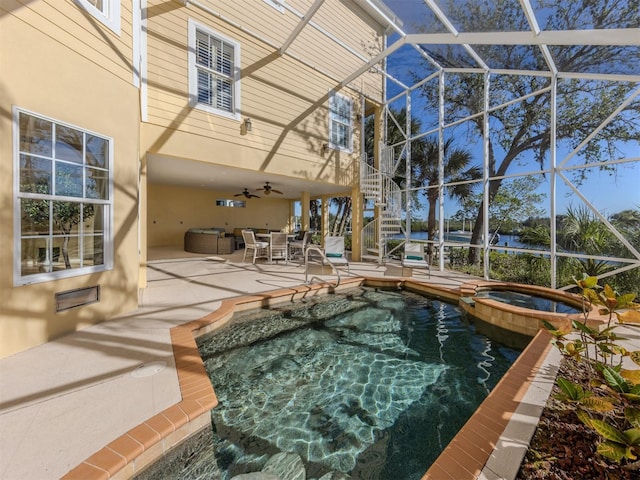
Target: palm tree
{"points": [[456, 169], [581, 231], [342, 216], [627, 219]]}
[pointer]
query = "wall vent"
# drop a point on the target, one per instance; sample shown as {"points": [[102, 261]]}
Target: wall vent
{"points": [[77, 298]]}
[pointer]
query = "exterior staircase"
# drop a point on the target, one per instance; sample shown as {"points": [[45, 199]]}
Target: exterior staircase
{"points": [[377, 185]]}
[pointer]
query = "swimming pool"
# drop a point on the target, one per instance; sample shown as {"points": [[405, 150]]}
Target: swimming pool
{"points": [[372, 383]]}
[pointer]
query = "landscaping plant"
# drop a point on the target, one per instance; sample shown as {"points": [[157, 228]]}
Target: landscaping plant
{"points": [[609, 403]]}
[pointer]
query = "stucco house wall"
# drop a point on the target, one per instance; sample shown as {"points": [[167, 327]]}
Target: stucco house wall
{"points": [[59, 62], [127, 80]]}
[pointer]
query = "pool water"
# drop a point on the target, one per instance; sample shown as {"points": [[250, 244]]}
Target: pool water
{"points": [[369, 383], [526, 300]]}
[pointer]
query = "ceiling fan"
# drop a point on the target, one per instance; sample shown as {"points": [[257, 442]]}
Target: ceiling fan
{"points": [[267, 189], [246, 193]]}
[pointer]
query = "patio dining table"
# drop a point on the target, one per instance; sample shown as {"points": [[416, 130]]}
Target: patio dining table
{"points": [[267, 236]]}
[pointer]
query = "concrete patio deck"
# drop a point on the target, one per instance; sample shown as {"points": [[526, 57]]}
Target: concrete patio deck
{"points": [[62, 402]]}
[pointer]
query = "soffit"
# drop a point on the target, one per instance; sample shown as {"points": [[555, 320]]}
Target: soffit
{"points": [[229, 181]]}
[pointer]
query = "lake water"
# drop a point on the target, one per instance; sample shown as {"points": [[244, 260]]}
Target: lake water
{"points": [[505, 240]]}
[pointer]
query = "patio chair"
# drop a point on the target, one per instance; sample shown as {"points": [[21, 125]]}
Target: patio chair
{"points": [[238, 239], [298, 247], [334, 251], [278, 247], [258, 249], [414, 257]]}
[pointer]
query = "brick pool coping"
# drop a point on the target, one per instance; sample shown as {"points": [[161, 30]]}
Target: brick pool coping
{"points": [[464, 458]]}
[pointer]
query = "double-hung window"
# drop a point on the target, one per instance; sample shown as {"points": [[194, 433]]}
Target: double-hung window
{"points": [[214, 72], [63, 208], [106, 11], [340, 126]]}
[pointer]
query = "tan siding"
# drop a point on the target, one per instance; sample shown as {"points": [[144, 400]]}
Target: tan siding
{"points": [[345, 25], [257, 16], [333, 16], [170, 69], [286, 100], [68, 24]]}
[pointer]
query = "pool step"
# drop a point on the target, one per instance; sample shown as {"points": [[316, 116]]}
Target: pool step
{"points": [[468, 300]]}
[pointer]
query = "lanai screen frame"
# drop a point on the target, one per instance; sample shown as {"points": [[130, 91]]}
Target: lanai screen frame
{"points": [[558, 167], [380, 12]]}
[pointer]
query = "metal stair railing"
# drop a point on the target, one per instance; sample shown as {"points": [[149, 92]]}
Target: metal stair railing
{"points": [[369, 236], [370, 180], [379, 186], [392, 197], [387, 160], [306, 263]]}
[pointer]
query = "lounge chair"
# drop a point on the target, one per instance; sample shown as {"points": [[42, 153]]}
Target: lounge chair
{"points": [[278, 247], [334, 251], [414, 257], [258, 249]]}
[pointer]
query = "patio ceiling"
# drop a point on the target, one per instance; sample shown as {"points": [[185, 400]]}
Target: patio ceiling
{"points": [[194, 174]]}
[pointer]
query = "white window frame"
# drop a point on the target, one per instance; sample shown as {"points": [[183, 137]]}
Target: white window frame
{"points": [[277, 4], [109, 15], [193, 72], [335, 122], [107, 247]]}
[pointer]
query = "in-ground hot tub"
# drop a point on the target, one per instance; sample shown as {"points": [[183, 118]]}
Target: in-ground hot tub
{"points": [[521, 308], [531, 301]]}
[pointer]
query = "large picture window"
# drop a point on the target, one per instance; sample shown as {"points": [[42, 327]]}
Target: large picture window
{"points": [[340, 125], [213, 72], [63, 199]]}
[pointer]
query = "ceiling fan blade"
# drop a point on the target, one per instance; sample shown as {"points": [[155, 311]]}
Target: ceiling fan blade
{"points": [[276, 191]]}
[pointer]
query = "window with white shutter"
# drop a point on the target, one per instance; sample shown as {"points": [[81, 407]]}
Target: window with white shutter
{"points": [[340, 125], [213, 71]]}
